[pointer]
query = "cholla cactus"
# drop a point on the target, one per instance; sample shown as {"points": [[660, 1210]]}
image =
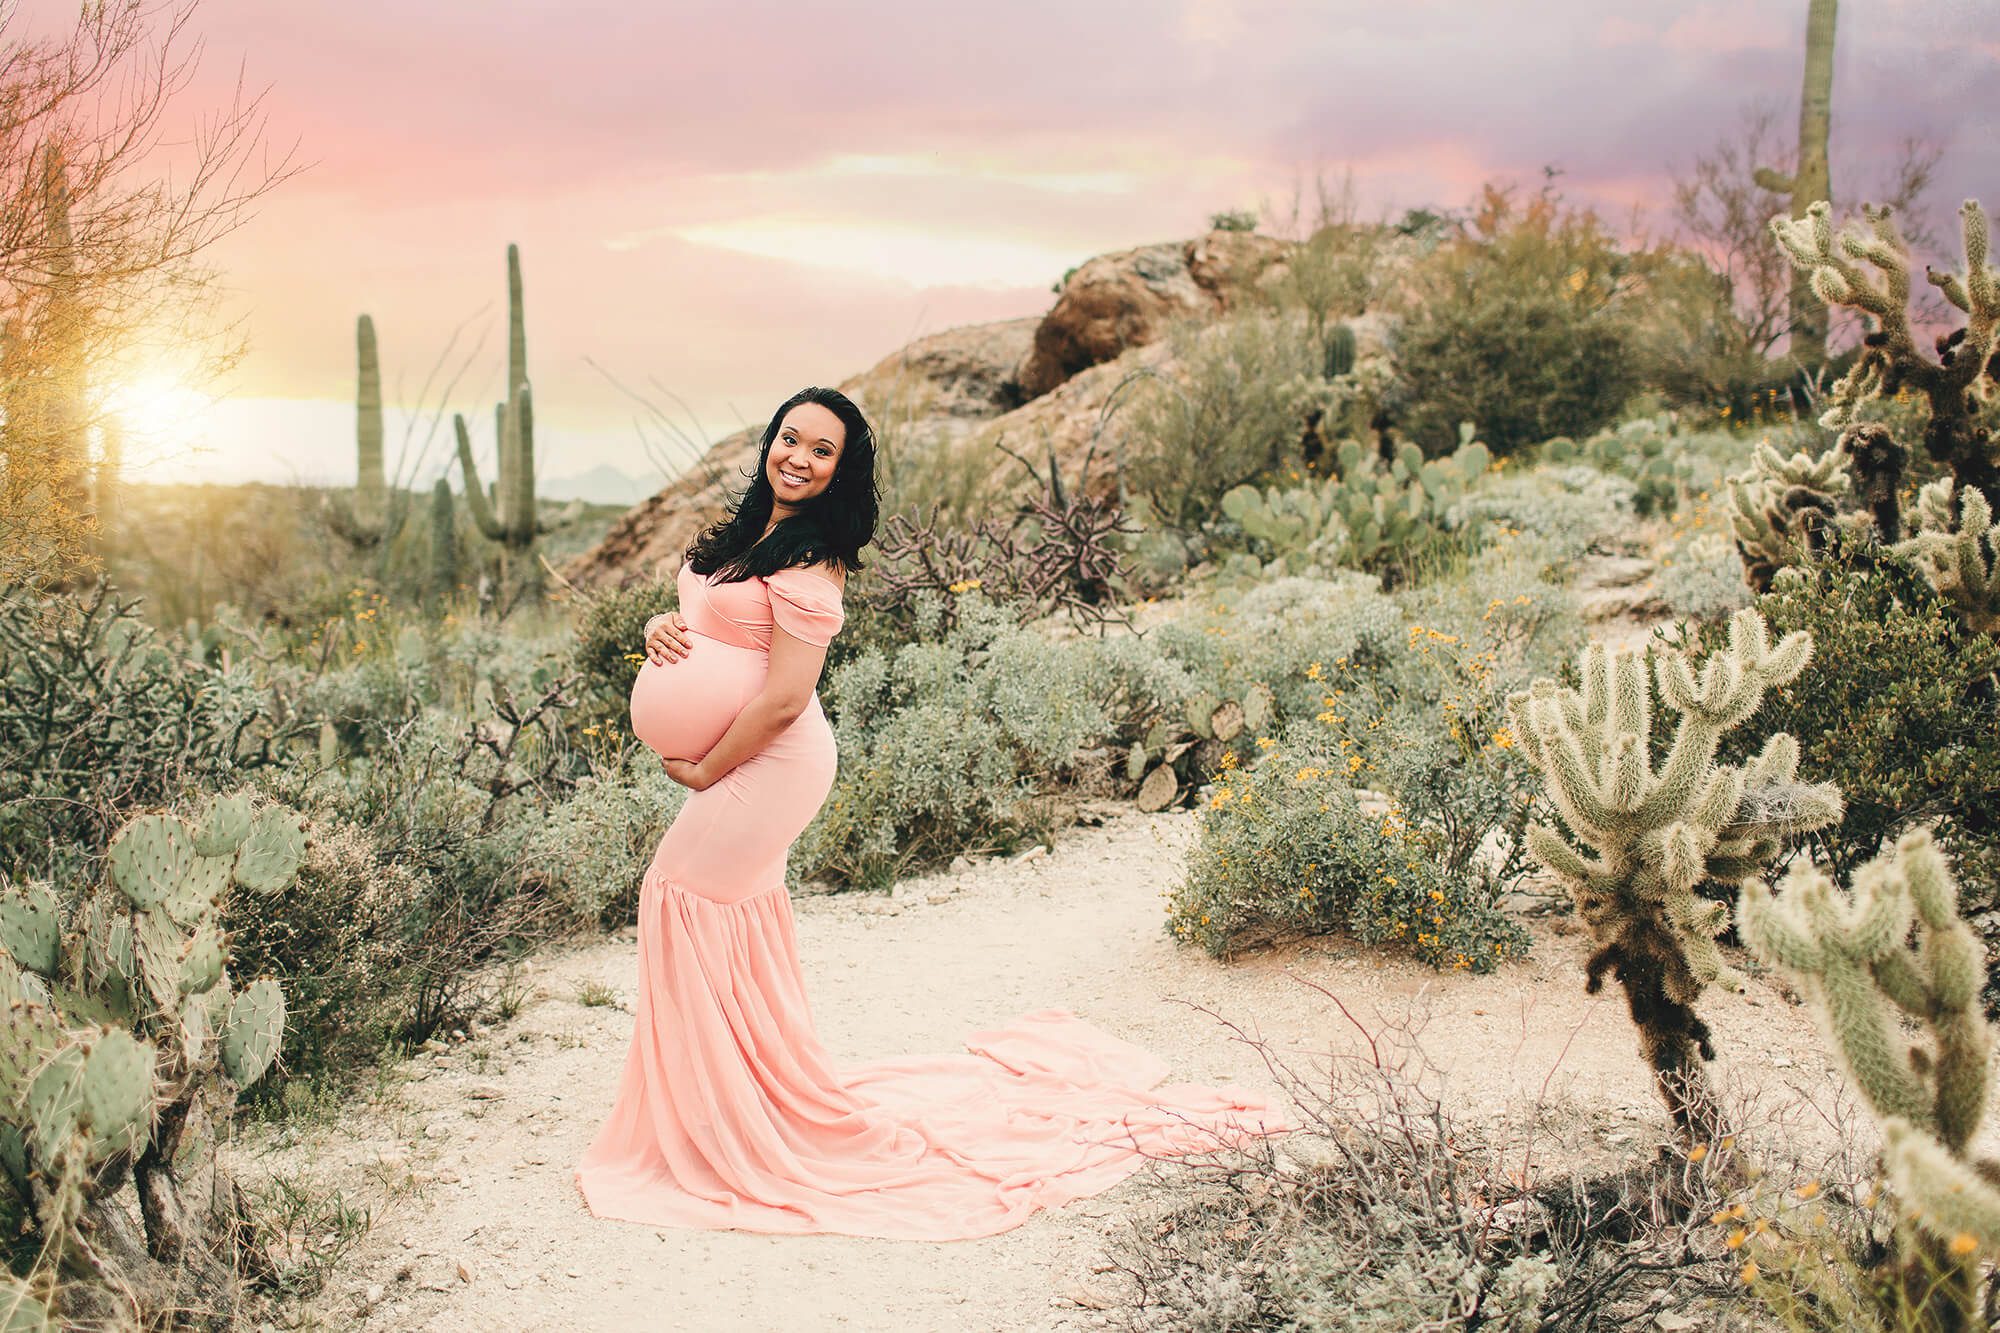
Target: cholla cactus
{"points": [[1650, 833], [112, 1036], [1854, 955], [1779, 509], [1890, 358], [1963, 561]]}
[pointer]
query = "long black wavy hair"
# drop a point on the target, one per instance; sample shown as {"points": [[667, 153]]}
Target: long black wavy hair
{"points": [[833, 525]]}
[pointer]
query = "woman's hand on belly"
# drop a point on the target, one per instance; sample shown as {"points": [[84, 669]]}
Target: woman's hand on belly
{"points": [[667, 638]]}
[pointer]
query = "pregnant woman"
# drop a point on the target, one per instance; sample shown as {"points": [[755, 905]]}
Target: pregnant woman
{"points": [[729, 1112]]}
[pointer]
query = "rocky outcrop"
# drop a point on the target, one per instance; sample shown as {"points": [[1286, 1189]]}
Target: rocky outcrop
{"points": [[949, 382], [1128, 299], [971, 382]]}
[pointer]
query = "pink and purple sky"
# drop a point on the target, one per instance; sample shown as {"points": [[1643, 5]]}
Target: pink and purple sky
{"points": [[729, 200]]}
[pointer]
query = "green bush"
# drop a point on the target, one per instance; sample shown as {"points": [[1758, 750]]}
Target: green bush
{"points": [[1524, 365], [1898, 709], [1703, 578], [1285, 851], [965, 739], [337, 942], [1269, 632], [1522, 326], [591, 851], [1229, 410]]}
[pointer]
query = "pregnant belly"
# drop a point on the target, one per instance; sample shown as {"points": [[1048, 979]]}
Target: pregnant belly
{"points": [[681, 710]]}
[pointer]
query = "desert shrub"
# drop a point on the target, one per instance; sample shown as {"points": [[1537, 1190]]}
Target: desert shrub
{"points": [[1703, 578], [961, 740], [367, 698], [1228, 411], [1385, 1211], [1270, 632], [591, 851], [101, 715], [1285, 850], [1429, 729], [1524, 365], [337, 942], [1574, 508], [1897, 708], [1520, 325]]}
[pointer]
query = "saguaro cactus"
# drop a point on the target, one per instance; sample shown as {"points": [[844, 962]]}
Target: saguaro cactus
{"points": [[1650, 833], [1854, 956], [370, 492], [1812, 180], [509, 517], [444, 541], [375, 515]]}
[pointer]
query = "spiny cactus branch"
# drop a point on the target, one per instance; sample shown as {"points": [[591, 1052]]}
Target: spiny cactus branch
{"points": [[1866, 266], [1643, 836], [1892, 950]]}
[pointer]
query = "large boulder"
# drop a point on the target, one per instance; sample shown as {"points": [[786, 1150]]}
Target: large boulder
{"points": [[1128, 299]]}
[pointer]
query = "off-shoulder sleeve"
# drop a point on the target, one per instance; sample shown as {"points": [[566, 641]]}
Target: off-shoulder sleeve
{"points": [[806, 605]]}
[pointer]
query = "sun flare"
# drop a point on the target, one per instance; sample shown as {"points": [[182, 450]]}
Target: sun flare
{"points": [[157, 411]]}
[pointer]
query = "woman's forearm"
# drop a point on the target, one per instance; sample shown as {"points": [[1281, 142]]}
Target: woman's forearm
{"points": [[754, 728]]}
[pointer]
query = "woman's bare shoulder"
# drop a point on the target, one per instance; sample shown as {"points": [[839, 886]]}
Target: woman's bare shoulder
{"points": [[832, 570]]}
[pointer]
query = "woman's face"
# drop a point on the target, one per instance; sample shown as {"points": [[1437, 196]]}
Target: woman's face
{"points": [[804, 454]]}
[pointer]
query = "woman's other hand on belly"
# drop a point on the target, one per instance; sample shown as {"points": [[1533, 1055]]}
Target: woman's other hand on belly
{"points": [[688, 773]]}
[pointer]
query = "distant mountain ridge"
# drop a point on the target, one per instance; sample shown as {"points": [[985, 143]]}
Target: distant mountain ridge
{"points": [[601, 485]]}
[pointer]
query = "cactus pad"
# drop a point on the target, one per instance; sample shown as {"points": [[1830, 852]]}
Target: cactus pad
{"points": [[54, 1099], [31, 927], [117, 1089], [20, 1312], [226, 826], [272, 852], [195, 1028], [253, 1031], [161, 947], [148, 858], [200, 890], [201, 968], [29, 1034]]}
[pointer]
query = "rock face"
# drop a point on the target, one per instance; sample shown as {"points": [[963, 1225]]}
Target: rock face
{"points": [[950, 381], [973, 380], [1127, 299]]}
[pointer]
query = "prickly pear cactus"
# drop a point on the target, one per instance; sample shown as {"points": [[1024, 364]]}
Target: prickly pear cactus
{"points": [[271, 854], [149, 856], [253, 1031], [31, 927], [115, 1031]]}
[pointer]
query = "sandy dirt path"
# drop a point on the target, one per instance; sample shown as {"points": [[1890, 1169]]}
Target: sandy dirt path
{"points": [[465, 1156]]}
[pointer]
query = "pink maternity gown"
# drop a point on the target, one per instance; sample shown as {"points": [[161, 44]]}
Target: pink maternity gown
{"points": [[729, 1113]]}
